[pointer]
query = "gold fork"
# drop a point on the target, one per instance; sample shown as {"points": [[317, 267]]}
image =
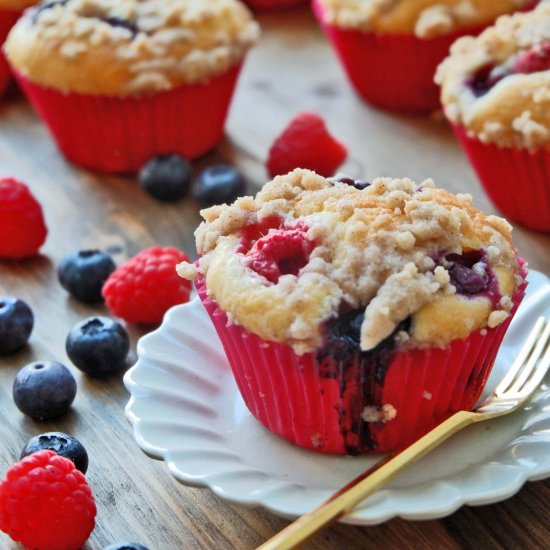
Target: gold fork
{"points": [[524, 376]]}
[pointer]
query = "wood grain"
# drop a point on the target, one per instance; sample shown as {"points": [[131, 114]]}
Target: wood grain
{"points": [[291, 70]]}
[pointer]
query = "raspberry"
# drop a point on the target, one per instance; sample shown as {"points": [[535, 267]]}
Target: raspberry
{"points": [[533, 60], [306, 143], [280, 252], [46, 503], [21, 221], [146, 286]]}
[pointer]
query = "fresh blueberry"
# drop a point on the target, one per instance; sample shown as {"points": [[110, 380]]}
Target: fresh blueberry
{"points": [[166, 177], [44, 389], [63, 444], [98, 346], [127, 546], [16, 322], [83, 273], [218, 184]]}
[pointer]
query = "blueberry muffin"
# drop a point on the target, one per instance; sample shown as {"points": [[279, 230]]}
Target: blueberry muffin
{"points": [[355, 316], [119, 67], [495, 90], [391, 48]]}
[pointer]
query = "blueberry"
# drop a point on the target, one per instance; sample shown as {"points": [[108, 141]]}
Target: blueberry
{"points": [[63, 444], [83, 274], [16, 322], [218, 184], [44, 389], [98, 346], [126, 546], [468, 281], [358, 184], [166, 177]]}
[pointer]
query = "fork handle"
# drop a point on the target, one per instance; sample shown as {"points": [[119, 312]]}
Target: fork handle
{"points": [[345, 500]]}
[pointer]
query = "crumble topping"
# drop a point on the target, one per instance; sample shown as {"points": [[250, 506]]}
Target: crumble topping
{"points": [[424, 18], [374, 248], [514, 111], [129, 46], [383, 414]]}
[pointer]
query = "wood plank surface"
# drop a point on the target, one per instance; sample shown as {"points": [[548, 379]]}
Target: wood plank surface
{"points": [[291, 70]]}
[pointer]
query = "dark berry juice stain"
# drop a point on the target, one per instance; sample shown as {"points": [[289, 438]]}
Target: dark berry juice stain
{"points": [[45, 7], [484, 80], [358, 184], [361, 374], [121, 23]]}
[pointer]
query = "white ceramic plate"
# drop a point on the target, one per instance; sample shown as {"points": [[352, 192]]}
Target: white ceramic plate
{"points": [[186, 410]]}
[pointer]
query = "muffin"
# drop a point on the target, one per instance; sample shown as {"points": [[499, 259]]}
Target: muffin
{"points": [[390, 48], [356, 316], [10, 11], [495, 90], [120, 82]]}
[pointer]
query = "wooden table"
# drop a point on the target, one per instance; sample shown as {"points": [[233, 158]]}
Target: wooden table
{"points": [[291, 70]]}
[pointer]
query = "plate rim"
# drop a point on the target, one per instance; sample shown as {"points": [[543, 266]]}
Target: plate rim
{"points": [[388, 497]]}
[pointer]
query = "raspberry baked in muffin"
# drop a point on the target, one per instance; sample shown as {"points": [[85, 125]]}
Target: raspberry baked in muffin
{"points": [[390, 48], [356, 316], [495, 90], [10, 11], [121, 82]]}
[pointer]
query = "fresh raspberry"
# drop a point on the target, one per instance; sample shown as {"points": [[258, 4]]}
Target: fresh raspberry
{"points": [[46, 503], [280, 252], [533, 60], [306, 143], [144, 288], [22, 224]]}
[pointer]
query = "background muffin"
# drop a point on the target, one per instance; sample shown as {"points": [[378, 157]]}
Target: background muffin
{"points": [[496, 93], [390, 48], [356, 316], [118, 83], [265, 5]]}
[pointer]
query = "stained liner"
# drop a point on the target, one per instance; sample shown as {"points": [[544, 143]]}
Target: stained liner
{"points": [[392, 71], [118, 135], [297, 398], [516, 180]]}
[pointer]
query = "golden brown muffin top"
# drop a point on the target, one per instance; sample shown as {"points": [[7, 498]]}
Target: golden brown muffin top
{"points": [[129, 47], [306, 248], [424, 18], [497, 85]]}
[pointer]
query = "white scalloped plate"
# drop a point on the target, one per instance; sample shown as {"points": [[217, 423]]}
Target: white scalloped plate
{"points": [[186, 410]]}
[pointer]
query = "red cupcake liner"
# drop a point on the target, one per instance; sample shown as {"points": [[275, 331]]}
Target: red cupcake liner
{"points": [[516, 180], [119, 135], [7, 20], [319, 404], [392, 71]]}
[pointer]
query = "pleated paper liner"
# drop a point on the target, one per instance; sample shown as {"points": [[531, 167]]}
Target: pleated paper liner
{"points": [[7, 20], [119, 135], [517, 180], [358, 405], [391, 71]]}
